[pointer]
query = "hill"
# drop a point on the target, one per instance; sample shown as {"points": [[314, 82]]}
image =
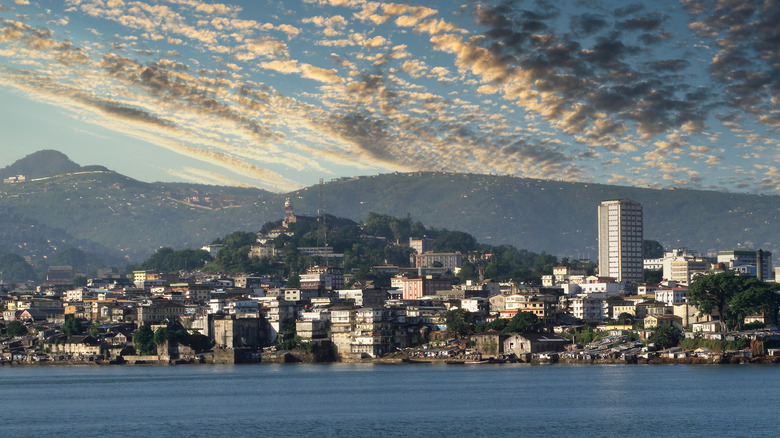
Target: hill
{"points": [[134, 218], [40, 164], [552, 216]]}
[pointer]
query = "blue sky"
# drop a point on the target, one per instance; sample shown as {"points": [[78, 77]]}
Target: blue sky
{"points": [[278, 94]]}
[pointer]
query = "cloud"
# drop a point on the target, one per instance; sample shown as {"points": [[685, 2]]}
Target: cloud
{"points": [[522, 87]]}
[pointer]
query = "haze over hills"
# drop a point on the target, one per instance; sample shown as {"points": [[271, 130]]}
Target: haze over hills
{"points": [[101, 208]]}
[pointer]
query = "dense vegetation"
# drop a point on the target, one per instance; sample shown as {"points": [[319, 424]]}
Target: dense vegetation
{"points": [[734, 297], [380, 240]]}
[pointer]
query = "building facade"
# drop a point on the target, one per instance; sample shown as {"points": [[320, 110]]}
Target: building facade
{"points": [[754, 263], [621, 237]]}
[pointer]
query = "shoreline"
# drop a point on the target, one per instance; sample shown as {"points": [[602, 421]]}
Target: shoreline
{"points": [[760, 360]]}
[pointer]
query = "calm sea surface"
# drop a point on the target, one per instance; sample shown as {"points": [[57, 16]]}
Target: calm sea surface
{"points": [[391, 400]]}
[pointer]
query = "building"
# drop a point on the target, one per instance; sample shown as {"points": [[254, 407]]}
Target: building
{"points": [[754, 263], [562, 274], [323, 277], [489, 343], [416, 288], [655, 321], [621, 238], [671, 296], [448, 261], [421, 245], [59, 276], [522, 343], [587, 308], [212, 249], [231, 332], [158, 311]]}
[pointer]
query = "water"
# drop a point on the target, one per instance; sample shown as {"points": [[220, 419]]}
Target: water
{"points": [[390, 400]]}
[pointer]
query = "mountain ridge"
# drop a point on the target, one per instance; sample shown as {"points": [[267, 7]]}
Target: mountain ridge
{"points": [[134, 218]]}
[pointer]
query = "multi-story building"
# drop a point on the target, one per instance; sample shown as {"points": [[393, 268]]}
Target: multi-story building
{"points": [[372, 332], [323, 277], [446, 260], [561, 274], [588, 308], [416, 288], [159, 310], [671, 296], [755, 263], [620, 240]]}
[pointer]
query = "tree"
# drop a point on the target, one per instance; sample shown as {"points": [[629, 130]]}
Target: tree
{"points": [[293, 281], [458, 322], [15, 328], [79, 281], [451, 241], [15, 269], [652, 249], [712, 293], [468, 272], [497, 324], [521, 322], [625, 318], [143, 340], [755, 297], [654, 275], [665, 337], [72, 326], [169, 260], [160, 336]]}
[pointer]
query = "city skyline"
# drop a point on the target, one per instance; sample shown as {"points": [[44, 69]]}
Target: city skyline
{"points": [[279, 94]]}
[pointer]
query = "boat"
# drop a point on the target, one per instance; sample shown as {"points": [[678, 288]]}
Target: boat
{"points": [[476, 362], [408, 360], [455, 362]]}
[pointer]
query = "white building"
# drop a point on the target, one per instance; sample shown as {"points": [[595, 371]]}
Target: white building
{"points": [[588, 308], [620, 240], [671, 296]]}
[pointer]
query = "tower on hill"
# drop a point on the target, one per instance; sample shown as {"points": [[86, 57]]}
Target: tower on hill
{"points": [[620, 240]]}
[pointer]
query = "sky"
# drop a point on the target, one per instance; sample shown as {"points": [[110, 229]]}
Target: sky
{"points": [[278, 94]]}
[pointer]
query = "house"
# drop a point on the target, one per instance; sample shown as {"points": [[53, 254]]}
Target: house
{"points": [[521, 343], [655, 321], [706, 326], [489, 343], [80, 345]]}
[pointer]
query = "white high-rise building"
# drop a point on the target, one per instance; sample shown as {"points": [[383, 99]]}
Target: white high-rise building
{"points": [[620, 240]]}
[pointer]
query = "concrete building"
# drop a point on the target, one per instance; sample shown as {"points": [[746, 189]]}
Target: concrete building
{"points": [[755, 263], [323, 277], [588, 308], [421, 245], [231, 333], [521, 343], [671, 296], [446, 260], [416, 288], [621, 238]]}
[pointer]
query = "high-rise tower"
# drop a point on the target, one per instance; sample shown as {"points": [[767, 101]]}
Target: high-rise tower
{"points": [[620, 240]]}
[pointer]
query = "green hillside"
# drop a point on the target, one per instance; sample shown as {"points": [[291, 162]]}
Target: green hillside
{"points": [[131, 218]]}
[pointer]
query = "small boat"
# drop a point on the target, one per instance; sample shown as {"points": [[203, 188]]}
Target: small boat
{"points": [[455, 362], [407, 360], [476, 362]]}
